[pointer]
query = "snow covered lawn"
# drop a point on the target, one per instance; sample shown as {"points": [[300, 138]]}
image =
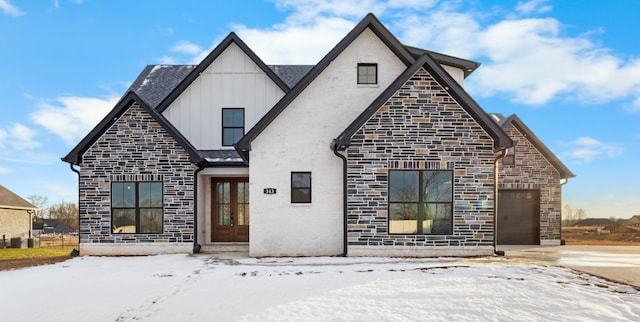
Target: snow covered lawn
{"points": [[206, 288]]}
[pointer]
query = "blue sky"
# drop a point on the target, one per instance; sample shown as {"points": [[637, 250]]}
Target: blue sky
{"points": [[570, 70]]}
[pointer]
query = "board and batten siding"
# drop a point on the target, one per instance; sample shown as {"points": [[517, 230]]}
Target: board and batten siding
{"points": [[299, 140], [233, 80]]}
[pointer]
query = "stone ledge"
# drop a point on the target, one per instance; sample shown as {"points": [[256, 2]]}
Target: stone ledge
{"points": [[413, 251], [133, 249]]}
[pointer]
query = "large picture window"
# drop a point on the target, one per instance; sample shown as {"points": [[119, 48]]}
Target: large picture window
{"points": [[136, 207], [232, 125], [421, 202], [300, 187]]}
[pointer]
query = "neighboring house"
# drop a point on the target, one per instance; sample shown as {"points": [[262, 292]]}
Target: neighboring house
{"points": [[633, 221], [50, 226], [375, 150], [15, 216], [530, 188]]}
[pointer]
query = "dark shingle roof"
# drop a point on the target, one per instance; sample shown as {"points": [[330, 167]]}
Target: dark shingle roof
{"points": [[155, 82], [291, 74], [10, 200]]}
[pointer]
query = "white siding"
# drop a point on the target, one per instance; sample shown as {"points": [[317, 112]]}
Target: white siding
{"points": [[298, 140], [232, 80]]}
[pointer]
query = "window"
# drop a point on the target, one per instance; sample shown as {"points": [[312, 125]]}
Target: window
{"points": [[136, 207], [421, 202], [232, 125], [300, 187], [367, 73], [510, 158]]}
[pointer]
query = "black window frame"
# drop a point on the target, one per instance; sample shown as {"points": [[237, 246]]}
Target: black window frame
{"points": [[422, 204], [137, 207], [232, 127], [375, 82], [294, 196]]}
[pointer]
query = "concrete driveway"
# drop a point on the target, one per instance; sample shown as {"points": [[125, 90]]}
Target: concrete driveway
{"points": [[615, 263]]}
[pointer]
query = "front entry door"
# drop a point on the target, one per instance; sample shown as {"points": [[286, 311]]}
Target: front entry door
{"points": [[230, 209]]}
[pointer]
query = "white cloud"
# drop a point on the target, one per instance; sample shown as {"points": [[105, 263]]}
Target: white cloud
{"points": [[186, 47], [10, 9], [528, 60], [165, 30], [5, 170], [588, 149], [18, 137], [533, 6], [73, 117]]}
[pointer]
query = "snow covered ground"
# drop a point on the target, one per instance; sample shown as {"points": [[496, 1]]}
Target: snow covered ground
{"points": [[208, 288]]}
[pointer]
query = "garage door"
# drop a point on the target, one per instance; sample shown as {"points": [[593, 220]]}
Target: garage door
{"points": [[519, 217]]}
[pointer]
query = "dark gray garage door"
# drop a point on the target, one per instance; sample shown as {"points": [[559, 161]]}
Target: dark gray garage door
{"points": [[519, 217]]}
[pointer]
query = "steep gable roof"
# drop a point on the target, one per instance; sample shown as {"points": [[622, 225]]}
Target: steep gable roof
{"points": [[193, 75], [10, 200], [156, 82], [552, 158], [123, 105], [466, 65], [371, 22], [500, 138]]}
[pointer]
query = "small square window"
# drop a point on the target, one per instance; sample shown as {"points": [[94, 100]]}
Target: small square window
{"points": [[367, 73], [300, 187]]}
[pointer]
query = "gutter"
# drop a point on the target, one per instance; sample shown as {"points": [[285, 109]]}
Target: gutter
{"points": [[76, 252], [563, 181], [496, 175], [334, 147], [196, 247]]}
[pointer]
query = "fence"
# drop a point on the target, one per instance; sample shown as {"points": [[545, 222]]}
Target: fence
{"points": [[60, 241]]}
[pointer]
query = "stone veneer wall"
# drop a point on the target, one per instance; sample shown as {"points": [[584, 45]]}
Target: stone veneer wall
{"points": [[136, 148], [532, 171], [420, 127]]}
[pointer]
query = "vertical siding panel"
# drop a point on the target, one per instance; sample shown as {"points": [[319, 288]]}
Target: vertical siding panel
{"points": [[232, 80]]}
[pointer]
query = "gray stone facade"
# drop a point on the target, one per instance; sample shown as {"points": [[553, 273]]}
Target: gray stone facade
{"points": [[136, 148], [532, 171], [421, 127]]}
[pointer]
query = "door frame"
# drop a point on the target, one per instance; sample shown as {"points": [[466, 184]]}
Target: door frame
{"points": [[238, 233]]}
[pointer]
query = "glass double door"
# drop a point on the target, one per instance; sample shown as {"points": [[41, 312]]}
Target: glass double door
{"points": [[230, 209]]}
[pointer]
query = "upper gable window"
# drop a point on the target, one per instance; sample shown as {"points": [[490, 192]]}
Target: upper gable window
{"points": [[367, 73], [232, 125]]}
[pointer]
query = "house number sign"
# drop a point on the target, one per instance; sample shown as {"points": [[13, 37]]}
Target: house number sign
{"points": [[269, 191]]}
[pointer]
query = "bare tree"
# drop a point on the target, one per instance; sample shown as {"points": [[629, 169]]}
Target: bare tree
{"points": [[41, 202], [65, 212], [572, 216]]}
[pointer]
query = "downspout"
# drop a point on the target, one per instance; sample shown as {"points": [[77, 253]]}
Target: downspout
{"points": [[76, 252], [334, 147], [563, 181], [196, 247], [496, 174]]}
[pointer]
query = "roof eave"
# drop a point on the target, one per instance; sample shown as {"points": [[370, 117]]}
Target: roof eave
{"points": [[213, 55], [370, 21]]}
